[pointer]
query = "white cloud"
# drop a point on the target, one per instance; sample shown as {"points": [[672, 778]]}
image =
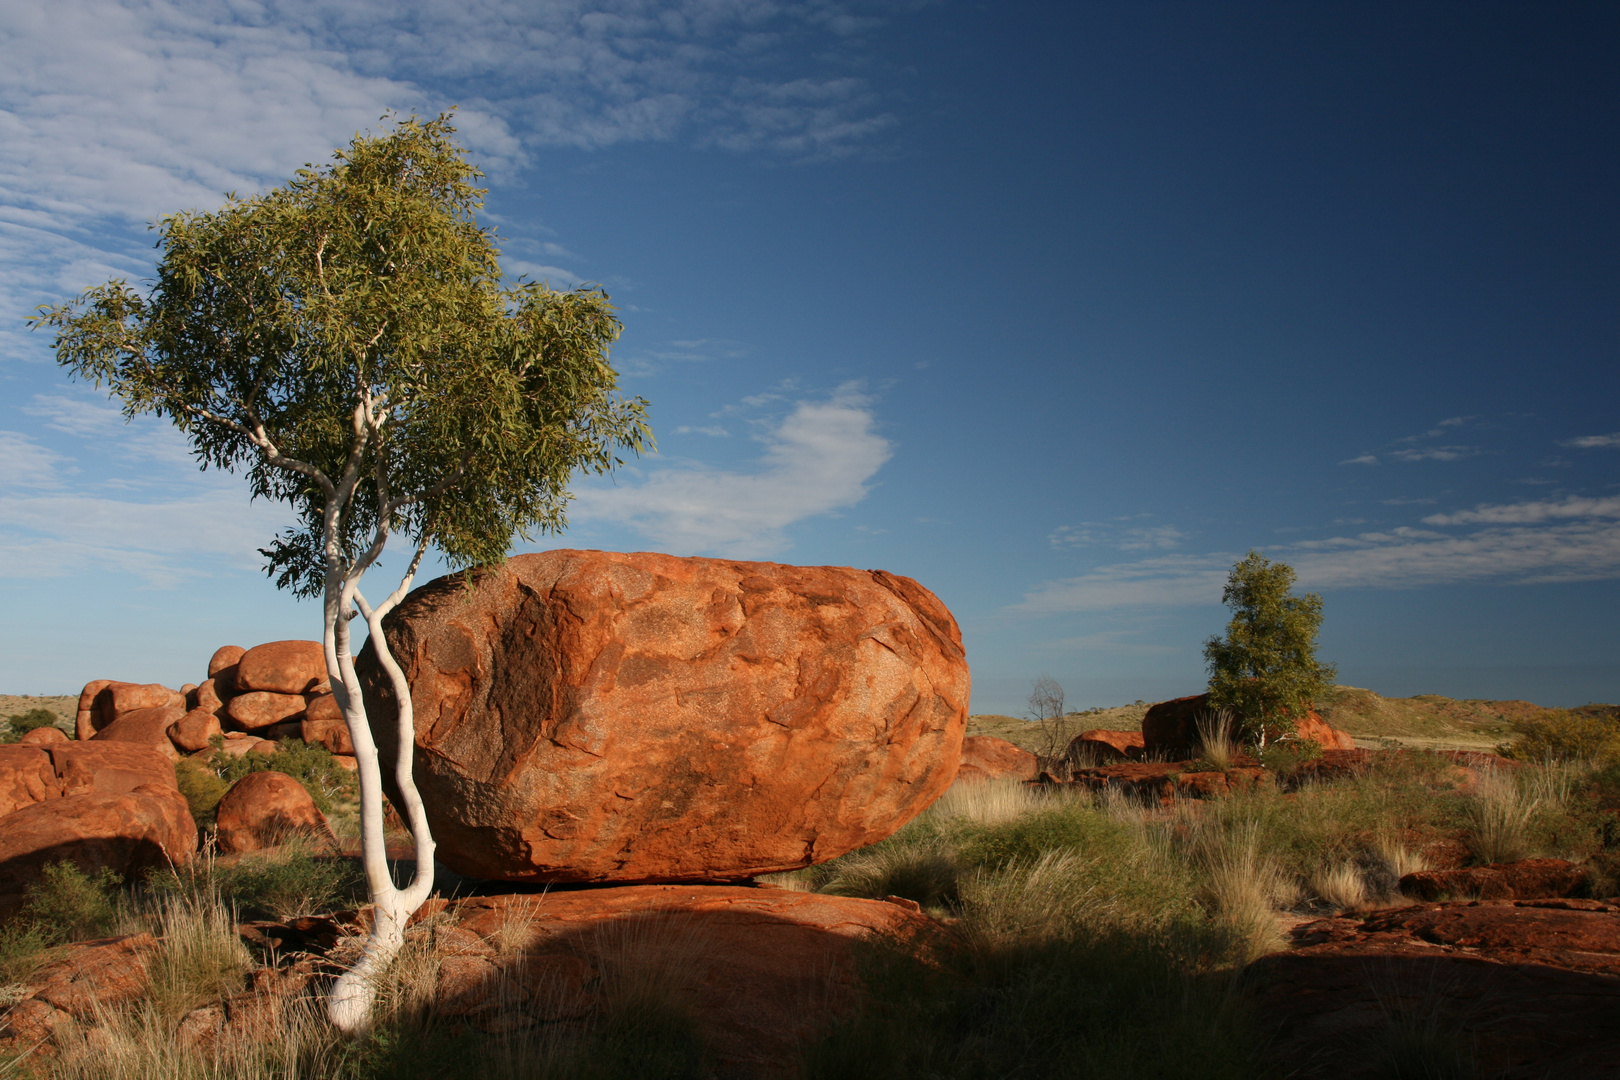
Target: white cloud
{"points": [[1109, 534], [1589, 442], [818, 460], [716, 431], [1528, 512], [26, 464], [1515, 551], [1435, 453], [1364, 459]]}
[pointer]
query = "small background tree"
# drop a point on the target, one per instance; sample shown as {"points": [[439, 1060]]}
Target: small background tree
{"points": [[1046, 709], [347, 341], [1265, 669]]}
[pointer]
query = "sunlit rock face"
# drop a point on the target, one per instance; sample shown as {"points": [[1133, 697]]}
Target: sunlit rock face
{"points": [[596, 716]]}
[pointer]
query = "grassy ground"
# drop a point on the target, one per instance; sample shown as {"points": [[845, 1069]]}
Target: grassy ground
{"points": [[1427, 721], [65, 707]]}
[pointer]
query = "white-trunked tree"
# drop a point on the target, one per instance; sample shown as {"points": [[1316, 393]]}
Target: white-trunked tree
{"points": [[347, 341]]}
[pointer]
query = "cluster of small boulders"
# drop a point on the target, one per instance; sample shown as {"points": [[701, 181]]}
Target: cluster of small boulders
{"points": [[250, 699]]}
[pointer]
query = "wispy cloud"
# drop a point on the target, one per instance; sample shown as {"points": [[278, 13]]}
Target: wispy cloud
{"points": [[1400, 450], [1111, 534], [1527, 512], [1515, 547], [1591, 442], [113, 112], [819, 459]]}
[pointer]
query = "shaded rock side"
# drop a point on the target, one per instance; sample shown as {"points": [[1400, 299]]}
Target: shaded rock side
{"points": [[763, 970], [596, 716], [1527, 879], [1102, 746], [1170, 728], [985, 757]]}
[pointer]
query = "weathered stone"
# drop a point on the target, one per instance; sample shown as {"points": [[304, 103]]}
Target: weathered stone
{"points": [[95, 975], [26, 778], [324, 724], [988, 758], [43, 736], [265, 809], [192, 731], [1527, 879], [1100, 746], [1527, 988], [260, 709], [109, 768], [763, 970], [145, 727], [222, 668], [89, 716], [282, 667], [593, 716], [150, 826], [1164, 781], [1170, 728], [120, 698]]}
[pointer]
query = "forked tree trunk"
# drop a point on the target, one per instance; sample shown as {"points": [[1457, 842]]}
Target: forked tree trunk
{"points": [[353, 996]]}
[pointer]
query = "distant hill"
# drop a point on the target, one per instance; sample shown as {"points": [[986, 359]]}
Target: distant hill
{"points": [[1425, 720], [66, 707]]}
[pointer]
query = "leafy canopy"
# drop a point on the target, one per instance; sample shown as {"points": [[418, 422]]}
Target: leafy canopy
{"points": [[1265, 669], [347, 341]]}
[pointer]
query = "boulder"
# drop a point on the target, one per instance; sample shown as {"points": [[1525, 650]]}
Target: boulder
{"points": [[94, 976], [1163, 782], [595, 716], [241, 746], [222, 668], [762, 971], [265, 809], [988, 758], [147, 727], [109, 768], [87, 722], [207, 696], [260, 709], [26, 777], [324, 724], [1170, 729], [1100, 746], [43, 736], [1527, 879], [282, 667], [129, 833], [192, 731]]}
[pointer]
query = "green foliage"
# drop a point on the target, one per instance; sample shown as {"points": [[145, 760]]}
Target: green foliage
{"points": [[1266, 669], [286, 881], [1565, 735], [346, 340], [202, 788], [310, 764], [19, 724], [68, 904], [1286, 756]]}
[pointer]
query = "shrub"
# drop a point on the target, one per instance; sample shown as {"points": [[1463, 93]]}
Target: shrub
{"points": [[310, 764], [283, 882], [1565, 735], [1285, 756], [919, 870], [67, 904], [1500, 812], [19, 724], [202, 788]]}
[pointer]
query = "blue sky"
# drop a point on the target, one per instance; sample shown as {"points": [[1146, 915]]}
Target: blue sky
{"points": [[1058, 310]]}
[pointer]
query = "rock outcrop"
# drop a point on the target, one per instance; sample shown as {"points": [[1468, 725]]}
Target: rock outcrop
{"points": [[95, 804], [264, 810], [1100, 746], [1170, 729], [1527, 879], [987, 758], [595, 716]]}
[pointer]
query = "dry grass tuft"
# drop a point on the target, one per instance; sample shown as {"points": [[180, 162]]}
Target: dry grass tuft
{"points": [[1244, 888], [1342, 886], [1215, 737], [1500, 812], [201, 958], [990, 802]]}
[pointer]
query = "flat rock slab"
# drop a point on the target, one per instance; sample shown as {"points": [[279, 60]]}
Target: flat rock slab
{"points": [[761, 969], [1529, 988], [595, 716]]}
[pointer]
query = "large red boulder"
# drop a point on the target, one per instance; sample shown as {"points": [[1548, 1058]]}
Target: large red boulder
{"points": [[282, 667], [26, 777], [260, 708], [323, 724], [43, 736], [147, 727], [985, 757], [595, 716], [264, 809], [222, 668], [1102, 746], [110, 804], [104, 701], [761, 970], [193, 731]]}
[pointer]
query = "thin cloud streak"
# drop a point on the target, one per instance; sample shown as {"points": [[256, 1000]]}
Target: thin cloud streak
{"points": [[817, 461]]}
